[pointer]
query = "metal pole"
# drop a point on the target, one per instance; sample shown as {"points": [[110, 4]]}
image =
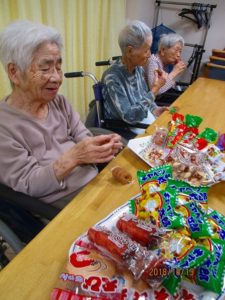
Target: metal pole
{"points": [[183, 3]]}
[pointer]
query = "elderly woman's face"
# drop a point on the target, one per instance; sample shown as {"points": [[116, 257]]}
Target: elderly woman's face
{"points": [[139, 56], [44, 76], [173, 54]]}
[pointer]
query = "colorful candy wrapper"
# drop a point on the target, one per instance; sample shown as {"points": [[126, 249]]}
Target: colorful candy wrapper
{"points": [[189, 135], [210, 274], [217, 222], [186, 192], [209, 135], [155, 179], [221, 142], [193, 121], [168, 218], [196, 221], [172, 283], [182, 252]]}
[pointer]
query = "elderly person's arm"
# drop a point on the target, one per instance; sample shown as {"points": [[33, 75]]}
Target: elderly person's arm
{"points": [[32, 164], [150, 68]]}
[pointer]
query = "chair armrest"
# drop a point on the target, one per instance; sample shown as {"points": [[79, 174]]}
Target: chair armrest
{"points": [[29, 203]]}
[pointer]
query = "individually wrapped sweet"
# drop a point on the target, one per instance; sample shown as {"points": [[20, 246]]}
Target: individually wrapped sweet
{"points": [[182, 252], [209, 135], [217, 222], [210, 274], [196, 221], [159, 137], [124, 251], [168, 217], [145, 233], [193, 121], [187, 192], [221, 142], [154, 179]]}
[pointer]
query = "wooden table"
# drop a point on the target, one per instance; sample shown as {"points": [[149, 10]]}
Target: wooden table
{"points": [[33, 273]]}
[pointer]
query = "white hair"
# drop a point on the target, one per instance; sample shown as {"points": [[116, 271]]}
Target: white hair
{"points": [[20, 39], [133, 34], [169, 40]]}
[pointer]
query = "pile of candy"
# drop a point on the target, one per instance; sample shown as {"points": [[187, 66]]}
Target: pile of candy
{"points": [[194, 247], [166, 238], [194, 156]]}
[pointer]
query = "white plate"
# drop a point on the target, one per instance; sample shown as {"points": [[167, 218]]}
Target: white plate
{"points": [[110, 222], [139, 145]]}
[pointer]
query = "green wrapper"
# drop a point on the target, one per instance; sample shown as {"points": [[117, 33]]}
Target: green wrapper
{"points": [[196, 222], [210, 274], [172, 283], [187, 192], [167, 215], [193, 121], [209, 135], [155, 178]]}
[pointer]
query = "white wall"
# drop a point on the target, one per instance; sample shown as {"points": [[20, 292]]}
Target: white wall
{"points": [[144, 10]]}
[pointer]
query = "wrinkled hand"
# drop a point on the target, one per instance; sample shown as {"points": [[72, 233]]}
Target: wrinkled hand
{"points": [[179, 67], [92, 150], [159, 110], [160, 80], [98, 149]]}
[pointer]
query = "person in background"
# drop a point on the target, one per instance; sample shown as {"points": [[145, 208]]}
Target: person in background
{"points": [[169, 54], [45, 149], [125, 91]]}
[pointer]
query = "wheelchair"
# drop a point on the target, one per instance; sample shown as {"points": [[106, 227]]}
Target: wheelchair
{"points": [[96, 121], [22, 217]]}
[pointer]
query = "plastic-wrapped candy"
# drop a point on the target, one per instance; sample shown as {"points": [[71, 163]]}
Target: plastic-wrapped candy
{"points": [[210, 274], [209, 135], [221, 142]]}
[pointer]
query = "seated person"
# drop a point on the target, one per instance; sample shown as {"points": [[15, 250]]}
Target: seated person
{"points": [[126, 94], [45, 149], [169, 54]]}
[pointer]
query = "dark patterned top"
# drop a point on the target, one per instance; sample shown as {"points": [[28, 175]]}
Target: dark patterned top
{"points": [[127, 96]]}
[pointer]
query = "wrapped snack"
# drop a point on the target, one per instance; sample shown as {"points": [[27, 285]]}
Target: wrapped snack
{"points": [[210, 274], [146, 207], [186, 192], [213, 154], [124, 251], [172, 283], [154, 155], [182, 252], [217, 222], [196, 221], [221, 142], [159, 137], [193, 121], [209, 135], [121, 175], [154, 179], [189, 135], [188, 166], [168, 218], [138, 230]]}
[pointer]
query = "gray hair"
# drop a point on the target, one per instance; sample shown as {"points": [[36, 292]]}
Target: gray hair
{"points": [[133, 34], [169, 40], [20, 39]]}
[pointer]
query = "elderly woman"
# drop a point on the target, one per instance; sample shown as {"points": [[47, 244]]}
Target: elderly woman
{"points": [[126, 94], [169, 53], [45, 149]]}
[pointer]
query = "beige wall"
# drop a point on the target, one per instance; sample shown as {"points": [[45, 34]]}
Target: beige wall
{"points": [[144, 10]]}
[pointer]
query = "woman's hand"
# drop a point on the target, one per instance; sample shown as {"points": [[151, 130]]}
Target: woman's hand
{"points": [[159, 110], [160, 80], [178, 68], [92, 150]]}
